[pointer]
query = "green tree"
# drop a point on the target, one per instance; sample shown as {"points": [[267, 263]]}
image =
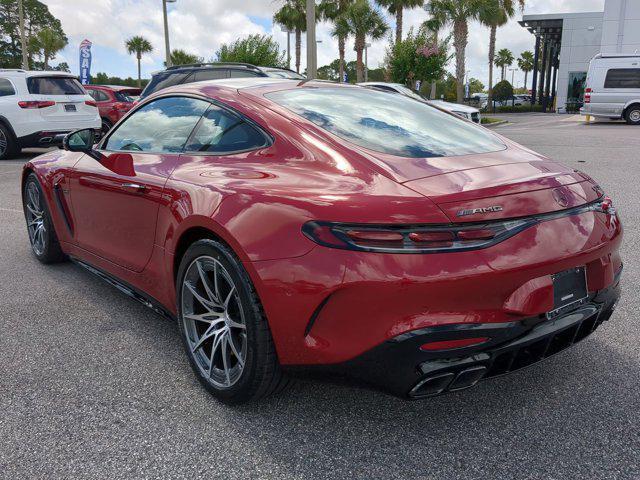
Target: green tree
{"points": [[475, 86], [180, 57], [494, 14], [102, 78], [458, 14], [293, 17], [360, 21], [503, 91], [46, 43], [525, 63], [504, 59], [138, 45], [260, 50], [36, 18], [332, 10], [417, 58], [433, 26], [396, 7]]}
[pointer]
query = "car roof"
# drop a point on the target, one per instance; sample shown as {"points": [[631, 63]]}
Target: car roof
{"points": [[116, 88], [18, 72]]}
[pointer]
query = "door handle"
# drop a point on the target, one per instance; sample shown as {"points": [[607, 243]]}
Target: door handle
{"points": [[133, 187]]}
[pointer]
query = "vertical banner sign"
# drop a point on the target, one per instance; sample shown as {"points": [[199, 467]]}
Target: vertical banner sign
{"points": [[85, 62]]}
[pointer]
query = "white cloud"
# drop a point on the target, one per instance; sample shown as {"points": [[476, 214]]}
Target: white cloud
{"points": [[201, 26]]}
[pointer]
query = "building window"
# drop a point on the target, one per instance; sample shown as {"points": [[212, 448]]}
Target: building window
{"points": [[623, 78], [575, 94]]}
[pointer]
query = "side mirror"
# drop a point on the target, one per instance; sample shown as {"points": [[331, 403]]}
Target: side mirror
{"points": [[80, 141]]}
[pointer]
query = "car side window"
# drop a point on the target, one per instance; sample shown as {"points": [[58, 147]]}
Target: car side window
{"points": [[6, 88], [101, 96], [215, 74], [161, 126], [223, 132], [623, 78], [242, 73]]}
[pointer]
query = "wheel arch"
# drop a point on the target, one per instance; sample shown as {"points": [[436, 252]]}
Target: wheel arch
{"points": [[632, 103], [5, 122]]}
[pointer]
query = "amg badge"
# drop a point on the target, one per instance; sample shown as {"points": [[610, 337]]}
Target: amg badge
{"points": [[464, 213]]}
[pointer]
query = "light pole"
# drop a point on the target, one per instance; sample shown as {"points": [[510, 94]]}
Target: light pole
{"points": [[312, 48], [23, 40], [366, 61], [513, 72], [288, 32], [167, 49]]}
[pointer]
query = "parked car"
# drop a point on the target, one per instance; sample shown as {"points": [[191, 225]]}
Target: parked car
{"points": [[464, 111], [36, 106], [181, 74], [113, 102], [291, 226], [613, 88]]}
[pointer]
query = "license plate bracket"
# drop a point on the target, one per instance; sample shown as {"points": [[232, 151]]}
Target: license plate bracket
{"points": [[569, 290], [70, 107]]}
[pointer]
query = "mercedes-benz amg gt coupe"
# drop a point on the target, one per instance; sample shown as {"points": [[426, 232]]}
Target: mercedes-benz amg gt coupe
{"points": [[301, 226]]}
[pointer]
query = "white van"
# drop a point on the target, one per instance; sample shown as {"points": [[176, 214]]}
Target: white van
{"points": [[613, 88]]}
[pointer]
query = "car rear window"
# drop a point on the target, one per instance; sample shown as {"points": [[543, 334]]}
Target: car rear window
{"points": [[623, 78], [54, 86], [385, 123], [164, 80]]}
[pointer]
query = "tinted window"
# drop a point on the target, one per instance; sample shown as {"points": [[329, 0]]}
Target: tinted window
{"points": [[98, 95], [164, 80], [277, 73], [6, 88], [222, 132], [123, 97], [202, 75], [243, 73], [163, 125], [392, 124], [623, 78], [54, 86]]}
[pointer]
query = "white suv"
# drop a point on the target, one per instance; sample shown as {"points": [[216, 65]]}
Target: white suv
{"points": [[37, 106]]}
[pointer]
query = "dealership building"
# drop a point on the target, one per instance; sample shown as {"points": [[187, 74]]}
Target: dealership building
{"points": [[566, 42]]}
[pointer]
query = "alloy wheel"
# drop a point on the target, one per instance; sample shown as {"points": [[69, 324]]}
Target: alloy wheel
{"points": [[214, 322], [634, 116], [4, 144], [35, 219]]}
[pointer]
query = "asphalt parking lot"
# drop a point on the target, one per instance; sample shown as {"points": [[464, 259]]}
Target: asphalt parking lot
{"points": [[94, 385]]}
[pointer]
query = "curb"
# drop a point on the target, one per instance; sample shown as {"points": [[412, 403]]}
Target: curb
{"points": [[495, 124]]}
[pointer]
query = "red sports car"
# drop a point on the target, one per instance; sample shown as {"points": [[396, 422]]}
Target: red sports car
{"points": [[306, 226]]}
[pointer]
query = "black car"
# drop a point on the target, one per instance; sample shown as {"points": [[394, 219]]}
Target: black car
{"points": [[198, 72]]}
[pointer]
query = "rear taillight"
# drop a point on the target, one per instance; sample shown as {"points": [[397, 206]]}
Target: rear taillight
{"points": [[91, 103], [587, 95], [412, 239], [36, 104], [605, 205], [122, 107]]}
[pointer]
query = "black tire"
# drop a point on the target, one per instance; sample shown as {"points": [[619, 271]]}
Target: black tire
{"points": [[47, 247], [8, 145], [106, 126], [632, 115], [261, 374]]}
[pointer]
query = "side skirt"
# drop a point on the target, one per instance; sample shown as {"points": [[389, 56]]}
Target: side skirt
{"points": [[127, 289]]}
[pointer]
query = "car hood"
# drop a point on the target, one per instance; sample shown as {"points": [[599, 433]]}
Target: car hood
{"points": [[453, 107]]}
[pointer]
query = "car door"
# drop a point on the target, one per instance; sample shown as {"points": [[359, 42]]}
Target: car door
{"points": [[116, 198]]}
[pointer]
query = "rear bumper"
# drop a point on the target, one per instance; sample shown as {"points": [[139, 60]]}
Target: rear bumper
{"points": [[400, 367], [48, 138]]}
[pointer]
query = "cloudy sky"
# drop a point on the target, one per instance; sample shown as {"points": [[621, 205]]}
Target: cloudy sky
{"points": [[201, 26]]}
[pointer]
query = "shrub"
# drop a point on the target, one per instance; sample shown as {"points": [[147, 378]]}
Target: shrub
{"points": [[502, 91]]}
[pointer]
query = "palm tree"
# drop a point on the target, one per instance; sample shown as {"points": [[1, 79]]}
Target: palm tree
{"points": [[332, 10], [396, 7], [293, 17], [180, 57], [48, 42], [494, 14], [360, 20], [504, 59], [525, 63], [458, 13], [138, 45]]}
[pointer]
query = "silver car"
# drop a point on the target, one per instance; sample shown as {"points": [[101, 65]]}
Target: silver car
{"points": [[613, 88]]}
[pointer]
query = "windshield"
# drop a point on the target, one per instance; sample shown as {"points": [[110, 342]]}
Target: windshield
{"points": [[408, 92], [54, 86], [384, 123]]}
